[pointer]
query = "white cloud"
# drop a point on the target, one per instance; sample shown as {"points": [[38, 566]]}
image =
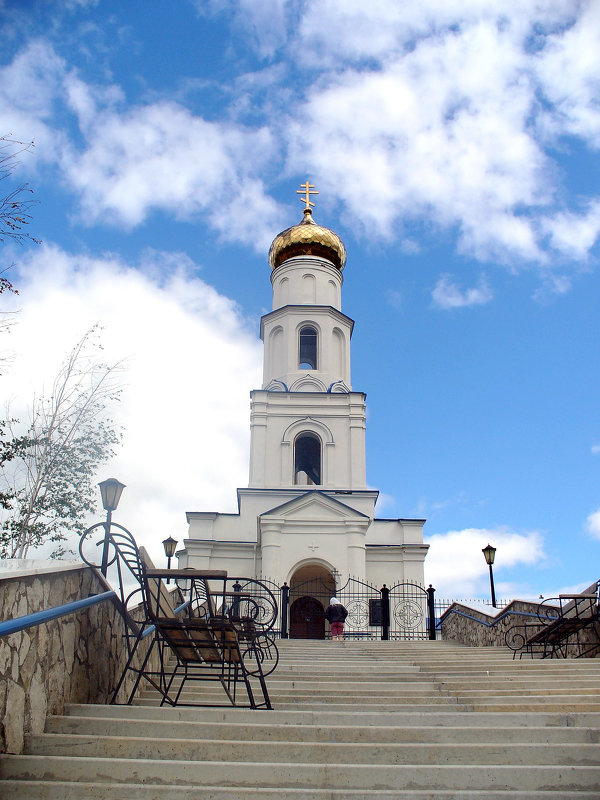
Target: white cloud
{"points": [[592, 524], [262, 25], [29, 86], [161, 156], [191, 362], [455, 565], [596, 449], [574, 234], [440, 133], [136, 160], [446, 294], [568, 68], [380, 29], [429, 112]]}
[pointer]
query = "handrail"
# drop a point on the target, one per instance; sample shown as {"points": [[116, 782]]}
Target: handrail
{"points": [[151, 628], [498, 618], [39, 617]]}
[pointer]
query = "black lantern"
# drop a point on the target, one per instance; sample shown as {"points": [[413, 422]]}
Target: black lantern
{"points": [[169, 544], [489, 554], [111, 490]]}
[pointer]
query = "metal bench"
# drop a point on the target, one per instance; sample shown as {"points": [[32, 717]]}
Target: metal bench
{"points": [[210, 627], [570, 628]]}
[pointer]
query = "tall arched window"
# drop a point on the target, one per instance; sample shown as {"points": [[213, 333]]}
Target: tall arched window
{"points": [[307, 460], [307, 353]]}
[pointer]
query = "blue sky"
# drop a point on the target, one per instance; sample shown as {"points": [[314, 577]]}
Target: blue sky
{"points": [[455, 148]]}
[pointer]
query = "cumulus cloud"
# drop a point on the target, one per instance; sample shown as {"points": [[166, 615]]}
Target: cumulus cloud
{"points": [[139, 159], [445, 113], [568, 68], [191, 362], [574, 234], [446, 294], [456, 567], [161, 156], [592, 524], [438, 133]]}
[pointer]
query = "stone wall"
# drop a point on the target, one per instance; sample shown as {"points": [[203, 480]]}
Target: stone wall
{"points": [[74, 659], [470, 630]]}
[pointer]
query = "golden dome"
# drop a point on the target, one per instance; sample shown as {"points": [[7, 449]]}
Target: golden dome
{"points": [[307, 239]]}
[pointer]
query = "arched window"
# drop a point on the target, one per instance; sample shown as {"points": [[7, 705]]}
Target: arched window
{"points": [[307, 460], [307, 356]]}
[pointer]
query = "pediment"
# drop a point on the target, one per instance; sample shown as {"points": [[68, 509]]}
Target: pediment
{"points": [[315, 506]]}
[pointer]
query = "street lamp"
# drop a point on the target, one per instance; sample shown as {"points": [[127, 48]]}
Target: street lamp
{"points": [[489, 554], [169, 544], [111, 490]]}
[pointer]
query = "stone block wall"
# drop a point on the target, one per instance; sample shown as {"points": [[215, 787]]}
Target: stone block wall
{"points": [[74, 659], [470, 630]]}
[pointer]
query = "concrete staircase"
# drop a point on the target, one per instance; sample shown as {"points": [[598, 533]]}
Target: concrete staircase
{"points": [[419, 720]]}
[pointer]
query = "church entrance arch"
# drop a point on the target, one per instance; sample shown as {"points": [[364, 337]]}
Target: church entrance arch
{"points": [[311, 588]]}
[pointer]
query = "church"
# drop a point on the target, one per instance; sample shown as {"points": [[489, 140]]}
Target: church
{"points": [[307, 517]]}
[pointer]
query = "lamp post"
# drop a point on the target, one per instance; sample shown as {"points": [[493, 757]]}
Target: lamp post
{"points": [[489, 554], [111, 490], [169, 544]]}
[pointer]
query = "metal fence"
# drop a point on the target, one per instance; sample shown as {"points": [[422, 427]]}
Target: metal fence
{"points": [[403, 611]]}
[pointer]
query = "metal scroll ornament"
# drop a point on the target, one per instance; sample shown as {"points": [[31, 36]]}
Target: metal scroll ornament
{"points": [[358, 613], [408, 614]]}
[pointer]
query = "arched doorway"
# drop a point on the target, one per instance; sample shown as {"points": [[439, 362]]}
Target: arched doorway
{"points": [[311, 588], [307, 619]]}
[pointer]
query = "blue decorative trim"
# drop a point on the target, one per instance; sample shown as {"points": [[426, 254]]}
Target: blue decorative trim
{"points": [[274, 386], [31, 620], [338, 383], [178, 610], [498, 618]]}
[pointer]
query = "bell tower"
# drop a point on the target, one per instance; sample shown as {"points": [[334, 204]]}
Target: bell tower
{"points": [[307, 425], [307, 512]]}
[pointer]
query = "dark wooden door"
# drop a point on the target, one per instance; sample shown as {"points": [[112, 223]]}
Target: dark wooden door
{"points": [[307, 619]]}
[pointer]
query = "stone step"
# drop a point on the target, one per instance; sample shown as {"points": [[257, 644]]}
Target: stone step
{"points": [[277, 731], [391, 687], [295, 716], [500, 690], [323, 706], [382, 753], [388, 720], [300, 776], [41, 790]]}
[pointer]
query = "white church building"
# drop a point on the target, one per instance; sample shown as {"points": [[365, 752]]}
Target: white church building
{"points": [[307, 513]]}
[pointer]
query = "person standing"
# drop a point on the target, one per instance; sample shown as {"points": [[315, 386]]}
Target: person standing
{"points": [[335, 614]]}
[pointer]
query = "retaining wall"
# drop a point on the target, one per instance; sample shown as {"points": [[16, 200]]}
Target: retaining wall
{"points": [[462, 623], [74, 659]]}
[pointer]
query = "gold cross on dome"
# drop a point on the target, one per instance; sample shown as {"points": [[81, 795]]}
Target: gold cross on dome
{"points": [[305, 190]]}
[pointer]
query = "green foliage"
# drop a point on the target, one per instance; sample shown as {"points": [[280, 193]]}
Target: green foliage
{"points": [[47, 477]]}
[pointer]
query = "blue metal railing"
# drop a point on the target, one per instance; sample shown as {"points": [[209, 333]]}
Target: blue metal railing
{"points": [[178, 610], [39, 617], [497, 619]]}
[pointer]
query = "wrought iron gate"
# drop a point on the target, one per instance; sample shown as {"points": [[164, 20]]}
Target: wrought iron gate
{"points": [[403, 612], [408, 610]]}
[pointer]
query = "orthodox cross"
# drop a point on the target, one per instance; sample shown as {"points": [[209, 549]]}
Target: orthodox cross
{"points": [[306, 192]]}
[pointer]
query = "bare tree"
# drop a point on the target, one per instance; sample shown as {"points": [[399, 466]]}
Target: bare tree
{"points": [[46, 483], [14, 207], [14, 215]]}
